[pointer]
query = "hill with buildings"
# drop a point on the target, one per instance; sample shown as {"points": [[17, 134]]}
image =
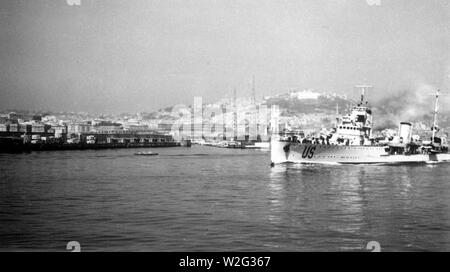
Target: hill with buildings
{"points": [[307, 110]]}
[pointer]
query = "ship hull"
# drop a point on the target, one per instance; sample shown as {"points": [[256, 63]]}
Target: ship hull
{"points": [[288, 152]]}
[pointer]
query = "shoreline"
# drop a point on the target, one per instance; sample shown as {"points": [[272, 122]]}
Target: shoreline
{"points": [[21, 147]]}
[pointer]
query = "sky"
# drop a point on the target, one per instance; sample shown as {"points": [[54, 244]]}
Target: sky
{"points": [[112, 56]]}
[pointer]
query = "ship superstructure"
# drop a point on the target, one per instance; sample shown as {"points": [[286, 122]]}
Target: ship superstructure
{"points": [[351, 141]]}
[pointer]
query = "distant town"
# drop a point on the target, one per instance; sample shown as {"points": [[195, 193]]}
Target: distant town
{"points": [[309, 111]]}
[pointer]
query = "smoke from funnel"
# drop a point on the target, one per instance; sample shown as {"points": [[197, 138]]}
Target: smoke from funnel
{"points": [[416, 104]]}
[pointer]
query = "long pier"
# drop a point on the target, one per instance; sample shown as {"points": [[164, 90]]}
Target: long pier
{"points": [[14, 146]]}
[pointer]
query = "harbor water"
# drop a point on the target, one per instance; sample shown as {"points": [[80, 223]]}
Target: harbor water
{"points": [[212, 199]]}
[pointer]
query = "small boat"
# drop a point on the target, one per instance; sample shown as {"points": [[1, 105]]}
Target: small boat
{"points": [[146, 154]]}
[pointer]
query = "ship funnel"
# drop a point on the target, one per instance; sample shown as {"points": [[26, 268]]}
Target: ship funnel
{"points": [[405, 132]]}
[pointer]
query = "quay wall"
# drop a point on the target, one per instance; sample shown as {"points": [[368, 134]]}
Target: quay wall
{"points": [[17, 145]]}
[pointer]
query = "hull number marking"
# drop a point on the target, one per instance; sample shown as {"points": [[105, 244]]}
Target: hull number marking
{"points": [[308, 152]]}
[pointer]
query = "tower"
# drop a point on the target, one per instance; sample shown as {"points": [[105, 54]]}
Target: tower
{"points": [[253, 90]]}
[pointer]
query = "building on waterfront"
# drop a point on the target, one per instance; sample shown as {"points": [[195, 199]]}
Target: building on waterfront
{"points": [[152, 124], [25, 127], [59, 131], [134, 125], [4, 127], [13, 127], [77, 128], [125, 137], [107, 127], [37, 127], [165, 126]]}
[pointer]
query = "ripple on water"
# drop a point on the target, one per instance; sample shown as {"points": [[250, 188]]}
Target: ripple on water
{"points": [[211, 199]]}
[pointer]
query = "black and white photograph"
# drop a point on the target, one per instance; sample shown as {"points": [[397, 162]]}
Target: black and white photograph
{"points": [[221, 126]]}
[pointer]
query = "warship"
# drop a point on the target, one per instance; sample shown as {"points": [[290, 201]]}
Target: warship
{"points": [[352, 142]]}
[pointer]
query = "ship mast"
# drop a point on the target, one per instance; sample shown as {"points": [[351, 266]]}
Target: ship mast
{"points": [[435, 117], [234, 116], [337, 115], [253, 90], [363, 91]]}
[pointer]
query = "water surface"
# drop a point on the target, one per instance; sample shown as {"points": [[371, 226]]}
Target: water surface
{"points": [[210, 199]]}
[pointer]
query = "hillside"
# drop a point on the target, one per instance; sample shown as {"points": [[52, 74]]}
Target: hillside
{"points": [[311, 109]]}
